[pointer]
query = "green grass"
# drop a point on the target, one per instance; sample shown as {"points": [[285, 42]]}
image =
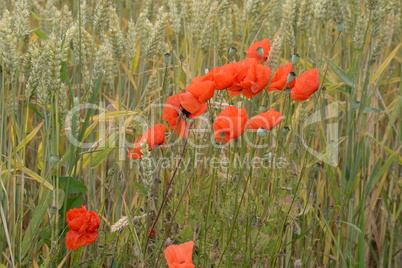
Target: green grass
{"points": [[339, 210]]}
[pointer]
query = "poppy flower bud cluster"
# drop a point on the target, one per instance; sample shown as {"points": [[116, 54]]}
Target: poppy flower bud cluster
{"points": [[248, 77]]}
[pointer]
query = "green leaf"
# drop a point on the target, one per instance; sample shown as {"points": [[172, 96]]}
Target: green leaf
{"points": [[64, 72], [98, 157], [33, 108], [41, 34], [71, 185], [141, 188], [340, 73], [29, 137], [36, 221], [372, 110], [187, 233], [60, 199], [353, 226], [74, 202], [35, 15], [385, 64]]}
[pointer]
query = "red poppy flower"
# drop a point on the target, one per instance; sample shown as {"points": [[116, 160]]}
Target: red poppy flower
{"points": [[306, 84], [151, 233], [180, 256], [279, 80], [83, 225], [230, 124], [199, 93], [154, 136], [176, 115], [267, 120], [251, 79], [252, 51], [222, 77]]}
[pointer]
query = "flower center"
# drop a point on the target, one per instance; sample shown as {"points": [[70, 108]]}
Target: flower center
{"points": [[184, 113]]}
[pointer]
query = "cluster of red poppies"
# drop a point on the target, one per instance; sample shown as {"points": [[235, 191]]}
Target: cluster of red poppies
{"points": [[248, 77]]}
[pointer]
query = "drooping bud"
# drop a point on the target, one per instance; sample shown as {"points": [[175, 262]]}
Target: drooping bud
{"points": [[261, 132]]}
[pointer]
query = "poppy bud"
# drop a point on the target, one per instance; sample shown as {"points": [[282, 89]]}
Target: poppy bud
{"points": [[317, 166], [53, 210], [167, 58], [262, 109], [261, 132], [54, 159], [190, 121], [291, 76], [268, 155], [286, 130], [295, 58], [340, 27], [168, 242], [355, 105], [260, 51], [232, 51], [110, 172]]}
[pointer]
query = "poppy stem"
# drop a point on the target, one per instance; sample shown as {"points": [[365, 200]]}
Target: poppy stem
{"points": [[167, 192]]}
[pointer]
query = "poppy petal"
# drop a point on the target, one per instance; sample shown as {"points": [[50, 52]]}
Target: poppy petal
{"points": [[306, 84]]}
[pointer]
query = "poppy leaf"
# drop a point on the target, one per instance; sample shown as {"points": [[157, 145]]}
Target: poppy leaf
{"points": [[340, 73], [141, 188], [74, 202], [72, 185], [186, 233]]}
